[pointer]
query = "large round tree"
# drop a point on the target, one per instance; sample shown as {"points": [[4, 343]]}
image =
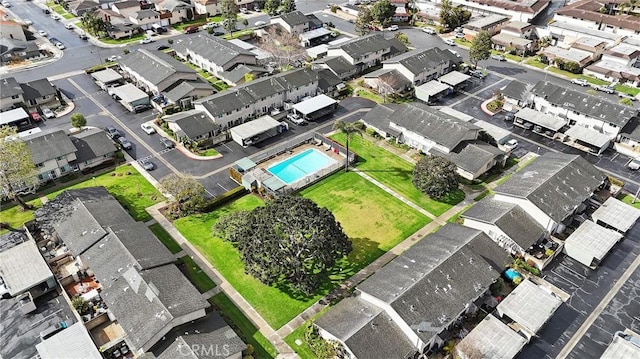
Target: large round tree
{"points": [[435, 176], [288, 241]]}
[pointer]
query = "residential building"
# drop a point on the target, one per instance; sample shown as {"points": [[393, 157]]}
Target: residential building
{"points": [[565, 33], [508, 42], [490, 23], [296, 22], [558, 55], [192, 125], [387, 82], [517, 95], [213, 54], [12, 30], [11, 94], [552, 188], [208, 7], [594, 46], [187, 92], [145, 18], [619, 63], [52, 152], [588, 14], [330, 84], [404, 307], [367, 51], [579, 108], [156, 71], [423, 65], [18, 50], [338, 65], [174, 11], [74, 342], [80, 7], [244, 73], [93, 148], [39, 93], [519, 29], [236, 105], [222, 343], [522, 10], [128, 7]]}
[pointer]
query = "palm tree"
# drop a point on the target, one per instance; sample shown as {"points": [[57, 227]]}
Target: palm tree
{"points": [[349, 129]]}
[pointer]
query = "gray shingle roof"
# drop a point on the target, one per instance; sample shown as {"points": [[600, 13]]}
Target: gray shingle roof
{"points": [[327, 79], [584, 103], [364, 45], [154, 66], [438, 127], [294, 18], [238, 73], [392, 77], [108, 259], [363, 326], [421, 60], [337, 64], [193, 123], [431, 283], [143, 14], [556, 183], [142, 244], [212, 48], [510, 218], [184, 89], [174, 290], [516, 90], [10, 87], [47, 146], [92, 143], [224, 339], [471, 156]]}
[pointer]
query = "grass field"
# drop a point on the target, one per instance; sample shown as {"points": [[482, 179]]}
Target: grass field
{"points": [[395, 173], [197, 277], [15, 217], [128, 186], [165, 238], [243, 326], [127, 40], [303, 350], [628, 198]]}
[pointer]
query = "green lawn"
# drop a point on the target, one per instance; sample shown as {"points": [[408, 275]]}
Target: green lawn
{"points": [[462, 42], [195, 274], [536, 63], [15, 217], [68, 16], [165, 238], [208, 152], [628, 198], [128, 186], [373, 219], [633, 91], [134, 38], [185, 24], [217, 18], [237, 34], [369, 95], [396, 173], [243, 327], [592, 80], [303, 350]]}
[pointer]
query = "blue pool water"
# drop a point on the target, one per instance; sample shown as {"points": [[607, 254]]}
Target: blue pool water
{"points": [[300, 165]]}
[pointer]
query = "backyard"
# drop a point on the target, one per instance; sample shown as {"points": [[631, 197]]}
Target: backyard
{"points": [[395, 173], [373, 220], [165, 238], [196, 276]]}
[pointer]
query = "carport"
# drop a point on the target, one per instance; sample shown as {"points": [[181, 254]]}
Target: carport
{"points": [[455, 79], [107, 78], [316, 107], [498, 133], [539, 121], [432, 91], [616, 214], [252, 132], [16, 117], [590, 243], [493, 338], [530, 306], [314, 37], [588, 140], [129, 95]]}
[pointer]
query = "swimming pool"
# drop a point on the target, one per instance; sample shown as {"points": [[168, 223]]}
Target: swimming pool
{"points": [[301, 165]]}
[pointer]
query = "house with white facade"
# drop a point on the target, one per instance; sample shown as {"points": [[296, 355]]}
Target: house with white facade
{"points": [[519, 29], [367, 51], [403, 309], [11, 94], [213, 54], [39, 93], [520, 10], [295, 22], [174, 11], [11, 30], [619, 63], [423, 65], [93, 148], [259, 97], [145, 18], [52, 152], [588, 14], [552, 188], [206, 7], [156, 71]]}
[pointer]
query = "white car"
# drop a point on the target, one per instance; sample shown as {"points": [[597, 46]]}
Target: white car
{"points": [[60, 45], [48, 113], [42, 33], [450, 42], [581, 82], [148, 129], [6, 4], [28, 22], [393, 28], [210, 25], [634, 164], [56, 17], [260, 23], [296, 119], [511, 144], [68, 26], [113, 58], [429, 30], [146, 41], [147, 165]]}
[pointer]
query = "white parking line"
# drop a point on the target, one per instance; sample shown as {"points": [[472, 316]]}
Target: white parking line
{"points": [[574, 272], [225, 145], [226, 190], [565, 279]]}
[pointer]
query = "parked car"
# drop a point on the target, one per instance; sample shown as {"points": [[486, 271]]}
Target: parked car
{"points": [[393, 28], [498, 57], [83, 36], [147, 165], [477, 74], [581, 82], [112, 132], [429, 30], [243, 10], [28, 22], [458, 29], [210, 25], [634, 164], [60, 45], [35, 117], [509, 116], [460, 35], [608, 89], [141, 108], [148, 129], [6, 4], [260, 23], [42, 33], [191, 30], [296, 119], [68, 26], [48, 113], [113, 58], [151, 33], [146, 40], [162, 47], [450, 42], [56, 17], [511, 144], [624, 95], [124, 143], [167, 143]]}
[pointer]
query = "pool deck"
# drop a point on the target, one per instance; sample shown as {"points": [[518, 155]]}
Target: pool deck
{"points": [[323, 149]]}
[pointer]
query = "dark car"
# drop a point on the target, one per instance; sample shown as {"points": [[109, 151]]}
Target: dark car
{"points": [[112, 132], [191, 30], [509, 116], [124, 143], [167, 142], [162, 47], [141, 108], [83, 36], [53, 40]]}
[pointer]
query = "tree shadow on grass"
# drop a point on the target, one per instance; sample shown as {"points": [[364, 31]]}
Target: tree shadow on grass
{"points": [[365, 252], [405, 174]]}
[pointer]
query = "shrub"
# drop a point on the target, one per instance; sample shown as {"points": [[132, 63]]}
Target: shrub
{"points": [[497, 287], [495, 105], [371, 132], [334, 8], [224, 198]]}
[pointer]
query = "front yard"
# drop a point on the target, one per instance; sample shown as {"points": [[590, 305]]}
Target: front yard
{"points": [[373, 220], [395, 173]]}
